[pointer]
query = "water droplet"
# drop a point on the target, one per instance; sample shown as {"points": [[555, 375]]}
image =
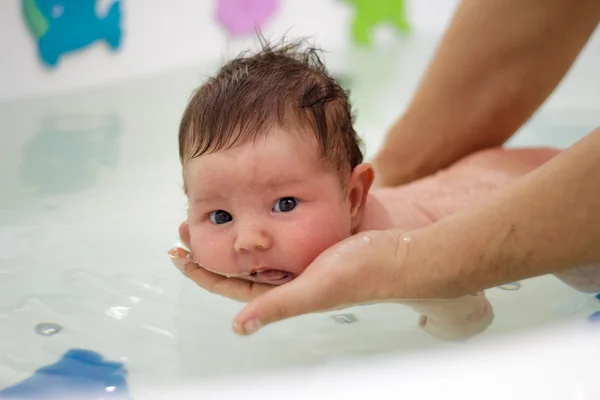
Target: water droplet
{"points": [[117, 312], [511, 286], [406, 238], [366, 239], [110, 389], [344, 318], [48, 328]]}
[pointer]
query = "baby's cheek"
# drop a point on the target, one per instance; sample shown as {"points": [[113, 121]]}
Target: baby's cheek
{"points": [[310, 240], [208, 249]]}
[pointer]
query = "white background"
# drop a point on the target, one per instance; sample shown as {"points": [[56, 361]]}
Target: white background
{"points": [[161, 35]]}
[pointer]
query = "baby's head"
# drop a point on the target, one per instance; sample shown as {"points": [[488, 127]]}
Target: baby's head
{"points": [[272, 167]]}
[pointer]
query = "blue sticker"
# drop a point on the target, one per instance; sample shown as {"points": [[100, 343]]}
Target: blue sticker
{"points": [[595, 317], [64, 26], [82, 373]]}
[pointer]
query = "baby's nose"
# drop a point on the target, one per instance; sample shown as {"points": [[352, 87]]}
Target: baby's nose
{"points": [[251, 239]]}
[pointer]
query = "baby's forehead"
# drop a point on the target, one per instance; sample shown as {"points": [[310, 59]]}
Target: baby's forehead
{"points": [[266, 162], [274, 145]]}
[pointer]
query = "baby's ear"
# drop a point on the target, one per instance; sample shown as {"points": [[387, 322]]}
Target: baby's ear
{"points": [[359, 185]]}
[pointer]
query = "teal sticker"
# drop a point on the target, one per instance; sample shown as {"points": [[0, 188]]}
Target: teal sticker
{"points": [[65, 26]]}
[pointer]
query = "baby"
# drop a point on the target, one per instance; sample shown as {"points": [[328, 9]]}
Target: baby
{"points": [[274, 175]]}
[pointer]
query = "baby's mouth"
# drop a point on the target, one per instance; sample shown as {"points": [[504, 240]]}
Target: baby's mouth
{"points": [[272, 276]]}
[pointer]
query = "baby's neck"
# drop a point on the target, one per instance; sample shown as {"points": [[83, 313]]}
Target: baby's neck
{"points": [[387, 209], [376, 217]]}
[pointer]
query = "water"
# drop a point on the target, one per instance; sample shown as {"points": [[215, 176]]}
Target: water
{"points": [[91, 201]]}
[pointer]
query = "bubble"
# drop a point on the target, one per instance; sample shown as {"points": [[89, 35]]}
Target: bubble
{"points": [[48, 328], [344, 318]]}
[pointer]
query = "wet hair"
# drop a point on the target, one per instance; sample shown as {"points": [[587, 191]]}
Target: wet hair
{"points": [[285, 85]]}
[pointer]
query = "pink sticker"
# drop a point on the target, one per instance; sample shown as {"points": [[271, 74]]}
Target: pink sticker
{"points": [[242, 17]]}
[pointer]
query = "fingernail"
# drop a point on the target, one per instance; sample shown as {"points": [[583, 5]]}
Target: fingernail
{"points": [[249, 327], [252, 326], [177, 258], [174, 252]]}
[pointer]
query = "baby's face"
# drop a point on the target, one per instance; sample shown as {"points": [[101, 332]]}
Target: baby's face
{"points": [[264, 210]]}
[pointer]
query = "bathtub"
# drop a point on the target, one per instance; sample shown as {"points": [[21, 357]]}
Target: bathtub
{"points": [[555, 363], [91, 200]]}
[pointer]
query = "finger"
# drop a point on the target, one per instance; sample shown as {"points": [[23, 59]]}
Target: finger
{"points": [[179, 258], [338, 277], [236, 289], [301, 296], [184, 234], [233, 288]]}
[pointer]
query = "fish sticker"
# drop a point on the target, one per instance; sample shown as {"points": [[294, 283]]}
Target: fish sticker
{"points": [[79, 373], [65, 26], [370, 14]]}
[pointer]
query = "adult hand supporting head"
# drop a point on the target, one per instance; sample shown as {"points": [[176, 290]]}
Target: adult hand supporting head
{"points": [[361, 269], [236, 289]]}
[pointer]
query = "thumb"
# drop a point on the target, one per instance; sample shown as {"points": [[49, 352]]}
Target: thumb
{"points": [[292, 299], [351, 272]]}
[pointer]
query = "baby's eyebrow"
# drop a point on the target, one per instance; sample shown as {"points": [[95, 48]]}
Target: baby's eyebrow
{"points": [[272, 184], [294, 180], [207, 198]]}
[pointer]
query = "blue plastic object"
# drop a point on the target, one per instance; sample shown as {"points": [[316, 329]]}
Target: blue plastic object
{"points": [[80, 374], [598, 297], [64, 26]]}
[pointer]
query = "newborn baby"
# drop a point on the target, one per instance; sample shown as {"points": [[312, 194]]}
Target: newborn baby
{"points": [[274, 175]]}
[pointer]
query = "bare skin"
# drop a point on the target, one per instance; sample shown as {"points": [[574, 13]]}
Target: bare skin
{"points": [[497, 63], [409, 208], [519, 232]]}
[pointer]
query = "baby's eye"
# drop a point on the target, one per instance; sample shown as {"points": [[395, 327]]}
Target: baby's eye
{"points": [[285, 204], [220, 217]]}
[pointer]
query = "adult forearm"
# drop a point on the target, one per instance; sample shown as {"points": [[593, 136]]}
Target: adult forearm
{"points": [[546, 222], [498, 61]]}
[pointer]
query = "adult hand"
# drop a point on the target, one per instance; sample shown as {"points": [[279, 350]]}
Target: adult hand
{"points": [[236, 289], [358, 270], [476, 94]]}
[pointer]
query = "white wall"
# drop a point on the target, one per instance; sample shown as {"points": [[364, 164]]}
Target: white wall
{"points": [[164, 34]]}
